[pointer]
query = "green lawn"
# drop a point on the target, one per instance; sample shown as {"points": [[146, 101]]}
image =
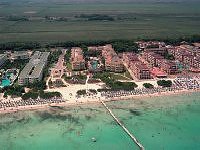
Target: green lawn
{"points": [[69, 66], [136, 20], [121, 76]]}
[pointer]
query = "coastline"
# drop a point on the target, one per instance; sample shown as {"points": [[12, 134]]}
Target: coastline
{"points": [[93, 101]]}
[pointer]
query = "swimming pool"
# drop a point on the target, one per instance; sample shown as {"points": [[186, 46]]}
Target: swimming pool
{"points": [[94, 64], [5, 82]]}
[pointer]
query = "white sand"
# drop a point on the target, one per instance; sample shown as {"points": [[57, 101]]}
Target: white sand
{"points": [[69, 92]]}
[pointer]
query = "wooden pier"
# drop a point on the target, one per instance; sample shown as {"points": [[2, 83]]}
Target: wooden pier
{"points": [[123, 127]]}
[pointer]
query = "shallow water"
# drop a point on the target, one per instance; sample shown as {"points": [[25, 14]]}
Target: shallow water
{"points": [[163, 123]]}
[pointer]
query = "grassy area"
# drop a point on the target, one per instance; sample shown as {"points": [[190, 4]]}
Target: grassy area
{"points": [[69, 66], [123, 76], [127, 74], [145, 20], [119, 76]]}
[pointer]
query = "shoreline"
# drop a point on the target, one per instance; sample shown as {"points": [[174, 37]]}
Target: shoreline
{"points": [[93, 101]]}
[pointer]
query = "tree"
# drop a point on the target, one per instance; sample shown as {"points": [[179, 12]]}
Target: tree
{"points": [[113, 84], [164, 83], [125, 46], [48, 95], [168, 56], [15, 90], [31, 94], [37, 85], [81, 92], [148, 85]]}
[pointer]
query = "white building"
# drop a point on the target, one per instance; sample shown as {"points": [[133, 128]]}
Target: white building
{"points": [[33, 71], [3, 59]]}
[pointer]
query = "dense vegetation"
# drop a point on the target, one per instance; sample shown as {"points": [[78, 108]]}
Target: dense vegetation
{"points": [[93, 17], [53, 57], [48, 95], [148, 85], [113, 84], [30, 95], [168, 56], [177, 41], [16, 18], [41, 94], [119, 45], [67, 56], [14, 64], [81, 92], [125, 46], [18, 46], [164, 83], [37, 85], [15, 90]]}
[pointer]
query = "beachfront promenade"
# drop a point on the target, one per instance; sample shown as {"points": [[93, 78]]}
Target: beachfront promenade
{"points": [[106, 95], [123, 127], [180, 85]]}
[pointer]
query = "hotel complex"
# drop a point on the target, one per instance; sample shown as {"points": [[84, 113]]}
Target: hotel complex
{"points": [[188, 56], [150, 63], [33, 71]]}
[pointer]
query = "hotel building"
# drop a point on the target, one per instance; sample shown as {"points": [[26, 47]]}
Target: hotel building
{"points": [[112, 61], [33, 71], [3, 59], [77, 59]]}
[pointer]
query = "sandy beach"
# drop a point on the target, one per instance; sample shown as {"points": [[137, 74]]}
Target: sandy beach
{"points": [[92, 99]]}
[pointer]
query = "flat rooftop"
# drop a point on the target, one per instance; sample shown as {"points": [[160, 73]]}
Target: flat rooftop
{"points": [[34, 67], [2, 56]]}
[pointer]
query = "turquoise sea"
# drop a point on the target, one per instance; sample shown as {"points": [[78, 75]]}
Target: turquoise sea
{"points": [[160, 123]]}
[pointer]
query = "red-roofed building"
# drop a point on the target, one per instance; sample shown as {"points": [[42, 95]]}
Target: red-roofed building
{"points": [[112, 61], [156, 72], [170, 67], [77, 60], [129, 57], [152, 58], [140, 70]]}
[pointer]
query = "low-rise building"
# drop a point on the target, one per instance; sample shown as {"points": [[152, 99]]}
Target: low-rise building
{"points": [[114, 64], [140, 70], [20, 55], [160, 51], [170, 67], [112, 61], [152, 58], [155, 44], [129, 57], [77, 59]]}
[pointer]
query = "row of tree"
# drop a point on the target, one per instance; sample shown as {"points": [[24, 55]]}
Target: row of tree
{"points": [[96, 17], [15, 90], [120, 45], [176, 41], [17, 46], [164, 83], [41, 94]]}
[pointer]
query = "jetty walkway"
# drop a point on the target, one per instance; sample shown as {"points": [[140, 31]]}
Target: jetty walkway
{"points": [[123, 127]]}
